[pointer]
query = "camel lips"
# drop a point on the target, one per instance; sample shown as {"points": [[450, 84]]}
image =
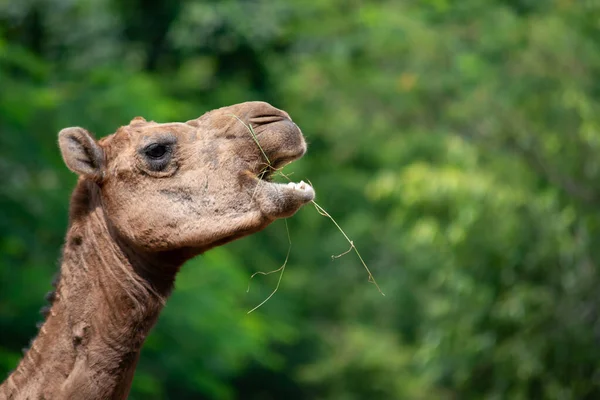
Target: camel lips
{"points": [[303, 187], [300, 186]]}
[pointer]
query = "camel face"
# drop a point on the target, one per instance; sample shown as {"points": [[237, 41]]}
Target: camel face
{"points": [[192, 185]]}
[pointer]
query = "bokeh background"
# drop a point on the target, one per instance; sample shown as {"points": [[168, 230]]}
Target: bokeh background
{"points": [[457, 143]]}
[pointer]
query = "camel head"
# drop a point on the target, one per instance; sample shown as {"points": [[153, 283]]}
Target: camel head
{"points": [[192, 185]]}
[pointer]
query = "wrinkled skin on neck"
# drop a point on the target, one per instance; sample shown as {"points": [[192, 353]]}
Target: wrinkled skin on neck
{"points": [[149, 197]]}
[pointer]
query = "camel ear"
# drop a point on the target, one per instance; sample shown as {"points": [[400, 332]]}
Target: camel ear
{"points": [[81, 152]]}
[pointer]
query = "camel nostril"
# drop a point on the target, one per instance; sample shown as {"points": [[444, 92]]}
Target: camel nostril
{"points": [[267, 119]]}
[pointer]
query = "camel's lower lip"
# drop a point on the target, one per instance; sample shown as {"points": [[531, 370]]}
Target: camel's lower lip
{"points": [[300, 190], [305, 190]]}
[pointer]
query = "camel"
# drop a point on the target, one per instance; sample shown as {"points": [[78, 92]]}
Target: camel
{"points": [[148, 198]]}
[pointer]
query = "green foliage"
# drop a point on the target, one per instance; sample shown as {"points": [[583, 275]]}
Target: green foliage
{"points": [[457, 144]]}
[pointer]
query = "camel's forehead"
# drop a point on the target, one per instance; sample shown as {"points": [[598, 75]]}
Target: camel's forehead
{"points": [[139, 129], [139, 126], [140, 132]]}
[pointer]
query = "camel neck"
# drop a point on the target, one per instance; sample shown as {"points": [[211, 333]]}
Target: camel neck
{"points": [[107, 299]]}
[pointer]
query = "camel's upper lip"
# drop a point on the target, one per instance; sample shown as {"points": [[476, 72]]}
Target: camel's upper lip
{"points": [[293, 147]]}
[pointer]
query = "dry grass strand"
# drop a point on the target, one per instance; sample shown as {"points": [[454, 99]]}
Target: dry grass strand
{"points": [[282, 269], [319, 209]]}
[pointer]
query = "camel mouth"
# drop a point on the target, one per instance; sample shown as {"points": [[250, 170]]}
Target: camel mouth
{"points": [[266, 174], [302, 192], [279, 142]]}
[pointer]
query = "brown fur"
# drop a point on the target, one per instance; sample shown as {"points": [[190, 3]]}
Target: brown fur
{"points": [[133, 224]]}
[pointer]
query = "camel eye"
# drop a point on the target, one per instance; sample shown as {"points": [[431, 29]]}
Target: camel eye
{"points": [[158, 155], [156, 151]]}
